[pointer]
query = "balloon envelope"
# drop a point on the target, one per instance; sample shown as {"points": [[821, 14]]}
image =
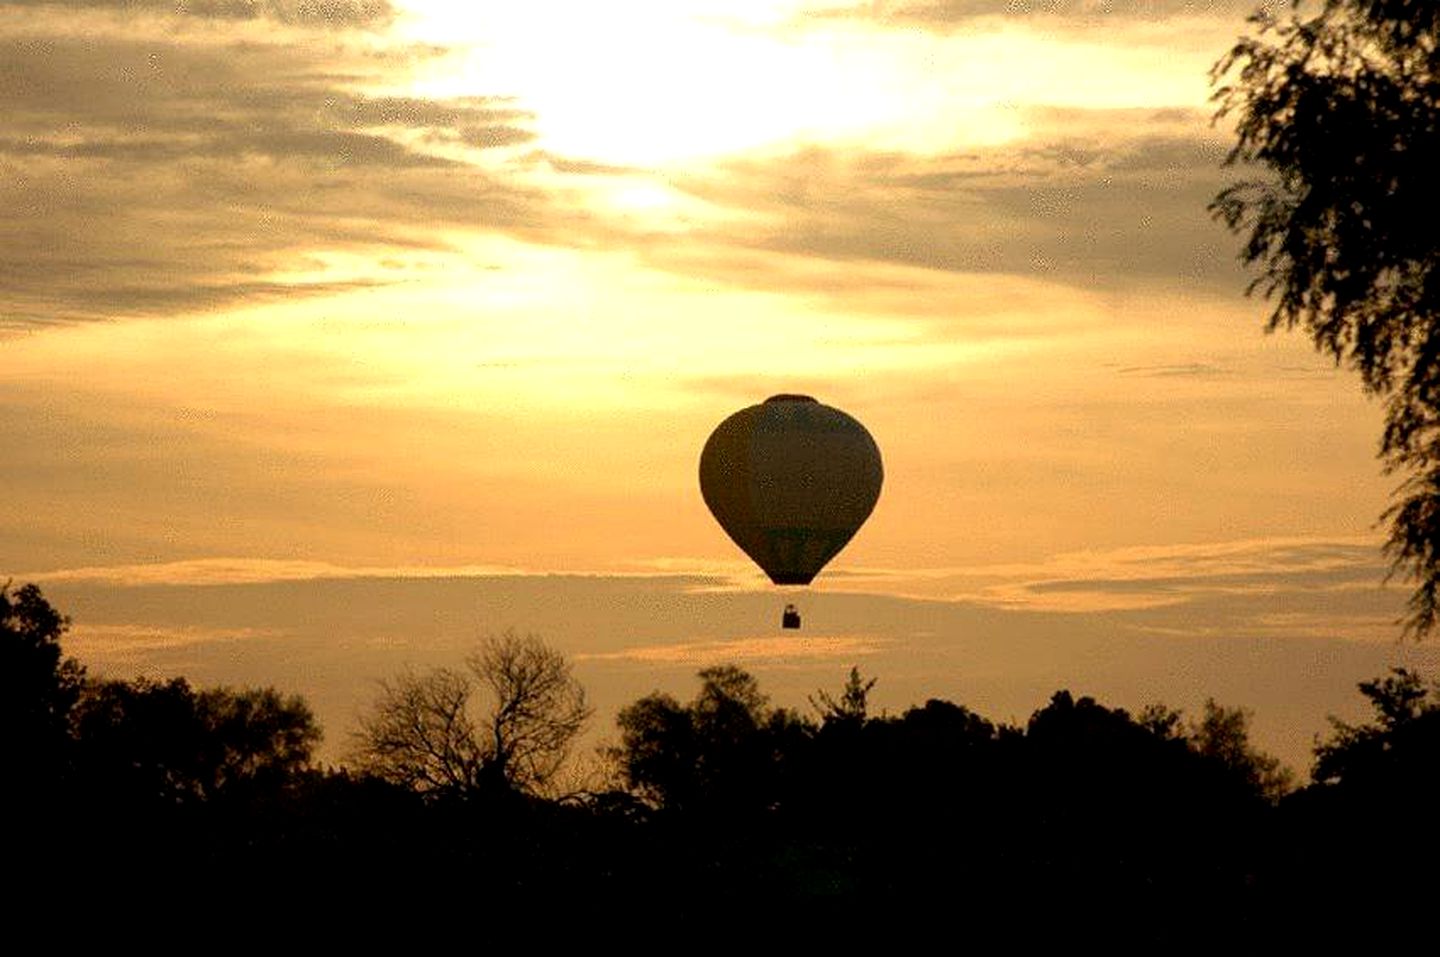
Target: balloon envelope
{"points": [[790, 480]]}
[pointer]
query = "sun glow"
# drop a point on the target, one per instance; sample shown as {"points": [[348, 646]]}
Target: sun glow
{"points": [[652, 85]]}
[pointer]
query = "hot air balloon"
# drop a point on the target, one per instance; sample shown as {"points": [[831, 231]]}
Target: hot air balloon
{"points": [[790, 480]]}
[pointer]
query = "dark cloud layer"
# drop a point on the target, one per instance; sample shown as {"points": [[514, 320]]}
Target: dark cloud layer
{"points": [[1092, 211], [167, 173], [333, 14]]}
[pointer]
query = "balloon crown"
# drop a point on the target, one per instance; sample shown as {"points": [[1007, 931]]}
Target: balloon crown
{"points": [[790, 397]]}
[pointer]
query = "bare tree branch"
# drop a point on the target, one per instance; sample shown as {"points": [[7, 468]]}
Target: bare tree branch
{"points": [[508, 720]]}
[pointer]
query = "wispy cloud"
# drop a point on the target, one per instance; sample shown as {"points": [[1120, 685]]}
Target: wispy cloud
{"points": [[94, 642], [1141, 577], [167, 167], [1072, 205], [757, 650], [1116, 579], [159, 168], [687, 575], [1187, 370], [321, 14], [246, 571], [1071, 14], [717, 575]]}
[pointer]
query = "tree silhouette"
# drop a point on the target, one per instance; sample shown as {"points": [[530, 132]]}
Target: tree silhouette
{"points": [[419, 734], [256, 737], [724, 752], [163, 743], [38, 689], [1223, 736], [1398, 752], [853, 705], [658, 754], [1340, 107], [1361, 833], [432, 734]]}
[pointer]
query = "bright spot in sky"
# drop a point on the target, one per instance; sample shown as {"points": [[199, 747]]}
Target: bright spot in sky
{"points": [[652, 85]]}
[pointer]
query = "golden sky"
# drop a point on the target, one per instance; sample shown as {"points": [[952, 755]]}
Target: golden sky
{"points": [[304, 290]]}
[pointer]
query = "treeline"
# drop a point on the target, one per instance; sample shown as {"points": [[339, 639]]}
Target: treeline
{"points": [[1087, 823]]}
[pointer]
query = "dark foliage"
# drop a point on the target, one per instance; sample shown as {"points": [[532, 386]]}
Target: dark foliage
{"points": [[1361, 835], [1339, 103], [1086, 824], [1393, 758], [159, 743], [38, 688], [723, 753], [940, 811]]}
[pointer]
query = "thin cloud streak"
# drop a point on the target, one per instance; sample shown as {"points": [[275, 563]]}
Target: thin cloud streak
{"points": [[1072, 15], [134, 642], [1149, 577], [753, 650], [1121, 579], [1131, 578], [249, 571]]}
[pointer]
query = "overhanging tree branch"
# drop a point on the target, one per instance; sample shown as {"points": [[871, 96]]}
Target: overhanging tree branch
{"points": [[1339, 102]]}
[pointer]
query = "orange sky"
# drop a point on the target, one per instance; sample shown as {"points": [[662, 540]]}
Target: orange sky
{"points": [[295, 290]]}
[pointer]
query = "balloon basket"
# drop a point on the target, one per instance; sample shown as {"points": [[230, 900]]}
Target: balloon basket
{"points": [[790, 617]]}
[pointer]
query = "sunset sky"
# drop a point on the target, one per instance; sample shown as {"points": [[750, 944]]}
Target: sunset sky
{"points": [[309, 304]]}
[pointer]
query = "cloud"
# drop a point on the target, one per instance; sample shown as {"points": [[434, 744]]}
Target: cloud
{"points": [[1075, 205], [323, 14], [159, 170], [1077, 14], [250, 571], [1134, 578], [580, 167], [766, 649], [1188, 370], [94, 642], [1273, 571], [174, 170]]}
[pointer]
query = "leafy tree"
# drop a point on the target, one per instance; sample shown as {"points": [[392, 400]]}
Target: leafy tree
{"points": [[724, 751], [1361, 833], [1133, 808], [729, 707], [658, 753], [255, 737], [1339, 101], [851, 708], [1223, 736], [163, 743], [505, 723], [38, 686], [929, 768], [1161, 720], [1398, 752]]}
